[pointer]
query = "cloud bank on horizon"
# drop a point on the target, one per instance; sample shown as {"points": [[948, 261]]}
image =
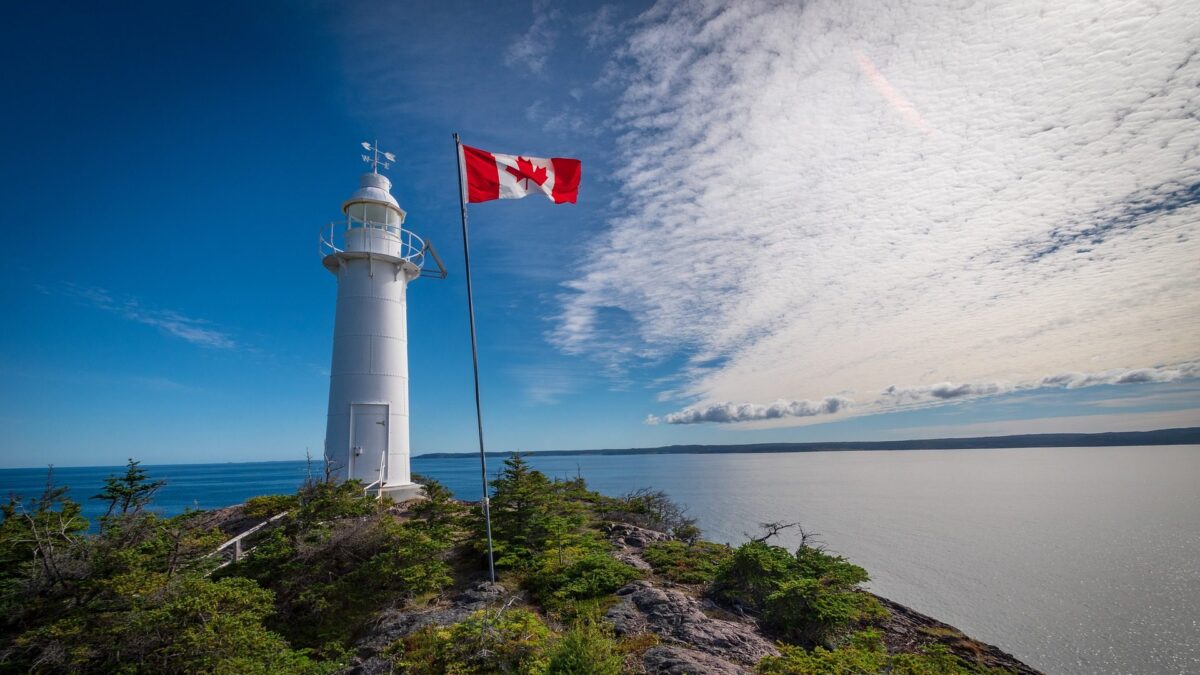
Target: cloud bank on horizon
{"points": [[847, 208]]}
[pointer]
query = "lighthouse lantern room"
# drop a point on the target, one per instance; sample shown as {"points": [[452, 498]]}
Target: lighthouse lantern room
{"points": [[374, 258]]}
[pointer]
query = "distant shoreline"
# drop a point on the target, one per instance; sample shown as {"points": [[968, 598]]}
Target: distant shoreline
{"points": [[1180, 436]]}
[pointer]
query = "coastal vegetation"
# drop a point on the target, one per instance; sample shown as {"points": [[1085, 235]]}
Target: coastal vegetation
{"points": [[136, 597], [333, 568]]}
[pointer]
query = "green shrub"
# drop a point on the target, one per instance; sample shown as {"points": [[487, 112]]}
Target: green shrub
{"points": [[810, 610], [586, 649], [814, 563], [195, 625], [510, 641], [682, 563], [686, 532], [820, 661], [323, 501], [651, 509], [808, 597], [340, 560], [332, 578], [592, 575], [134, 598], [439, 515], [266, 506], [865, 655], [51, 522], [753, 572]]}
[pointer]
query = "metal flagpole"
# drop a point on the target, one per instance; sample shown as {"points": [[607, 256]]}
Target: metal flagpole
{"points": [[462, 205]]}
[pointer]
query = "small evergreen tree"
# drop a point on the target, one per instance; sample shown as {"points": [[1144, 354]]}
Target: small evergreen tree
{"points": [[519, 507], [440, 514], [130, 493], [38, 543]]}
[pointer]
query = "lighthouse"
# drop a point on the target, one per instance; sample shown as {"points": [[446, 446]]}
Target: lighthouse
{"points": [[374, 259]]}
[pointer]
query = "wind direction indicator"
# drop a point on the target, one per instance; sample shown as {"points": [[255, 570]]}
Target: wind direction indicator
{"points": [[373, 158]]}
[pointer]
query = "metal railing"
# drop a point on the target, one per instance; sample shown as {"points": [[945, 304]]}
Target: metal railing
{"points": [[236, 542], [395, 240], [379, 482]]}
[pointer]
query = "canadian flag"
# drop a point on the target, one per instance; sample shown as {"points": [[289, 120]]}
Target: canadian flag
{"points": [[494, 176]]}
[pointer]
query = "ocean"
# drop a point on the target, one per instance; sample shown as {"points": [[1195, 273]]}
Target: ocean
{"points": [[1075, 560]]}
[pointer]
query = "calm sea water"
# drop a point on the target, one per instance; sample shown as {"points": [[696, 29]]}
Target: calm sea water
{"points": [[1076, 560]]}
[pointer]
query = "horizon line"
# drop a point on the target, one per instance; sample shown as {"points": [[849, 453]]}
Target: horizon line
{"points": [[1183, 436]]}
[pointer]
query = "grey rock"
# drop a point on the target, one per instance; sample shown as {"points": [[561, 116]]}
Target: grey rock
{"points": [[624, 534], [633, 561], [677, 617], [907, 630], [483, 592], [672, 660], [370, 666], [395, 624]]}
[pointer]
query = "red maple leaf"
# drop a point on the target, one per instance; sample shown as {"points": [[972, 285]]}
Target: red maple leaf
{"points": [[526, 171]]}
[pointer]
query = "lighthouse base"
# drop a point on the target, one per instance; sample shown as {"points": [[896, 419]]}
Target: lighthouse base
{"points": [[404, 493]]}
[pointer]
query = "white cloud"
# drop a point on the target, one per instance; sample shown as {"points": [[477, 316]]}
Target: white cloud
{"points": [[923, 395], [938, 393], [566, 119], [196, 331], [750, 412], [950, 392], [599, 28], [546, 383], [532, 50], [833, 196], [1124, 376], [1084, 424]]}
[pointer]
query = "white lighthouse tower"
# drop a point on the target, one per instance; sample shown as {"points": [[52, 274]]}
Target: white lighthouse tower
{"points": [[374, 258]]}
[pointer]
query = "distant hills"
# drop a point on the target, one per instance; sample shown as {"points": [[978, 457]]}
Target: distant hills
{"points": [[1187, 435]]}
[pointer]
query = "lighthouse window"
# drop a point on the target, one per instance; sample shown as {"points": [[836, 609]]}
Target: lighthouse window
{"points": [[373, 214]]}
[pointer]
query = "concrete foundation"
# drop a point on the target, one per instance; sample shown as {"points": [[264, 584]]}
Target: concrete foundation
{"points": [[404, 493]]}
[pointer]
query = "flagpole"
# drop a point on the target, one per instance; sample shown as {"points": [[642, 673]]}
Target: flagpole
{"points": [[462, 207]]}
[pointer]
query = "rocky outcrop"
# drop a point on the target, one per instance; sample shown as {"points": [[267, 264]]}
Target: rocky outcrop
{"points": [[907, 630], [678, 618], [675, 660], [633, 538], [693, 641], [694, 635], [628, 541], [696, 642], [395, 624]]}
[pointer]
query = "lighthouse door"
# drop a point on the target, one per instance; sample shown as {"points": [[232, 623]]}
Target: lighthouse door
{"points": [[368, 441]]}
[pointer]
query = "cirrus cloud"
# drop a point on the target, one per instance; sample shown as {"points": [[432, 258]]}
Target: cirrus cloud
{"points": [[868, 194]]}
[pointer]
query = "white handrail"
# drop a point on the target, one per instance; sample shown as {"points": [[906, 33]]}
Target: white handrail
{"points": [[236, 542], [411, 248], [380, 481], [251, 531]]}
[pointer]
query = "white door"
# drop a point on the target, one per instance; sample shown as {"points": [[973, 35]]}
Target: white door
{"points": [[368, 441]]}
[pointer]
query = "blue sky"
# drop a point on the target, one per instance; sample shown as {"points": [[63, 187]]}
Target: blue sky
{"points": [[794, 223]]}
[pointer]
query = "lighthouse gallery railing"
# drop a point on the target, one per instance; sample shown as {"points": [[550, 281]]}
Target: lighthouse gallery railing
{"points": [[384, 239]]}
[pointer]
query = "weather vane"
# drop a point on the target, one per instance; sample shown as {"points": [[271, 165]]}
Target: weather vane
{"points": [[373, 158]]}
